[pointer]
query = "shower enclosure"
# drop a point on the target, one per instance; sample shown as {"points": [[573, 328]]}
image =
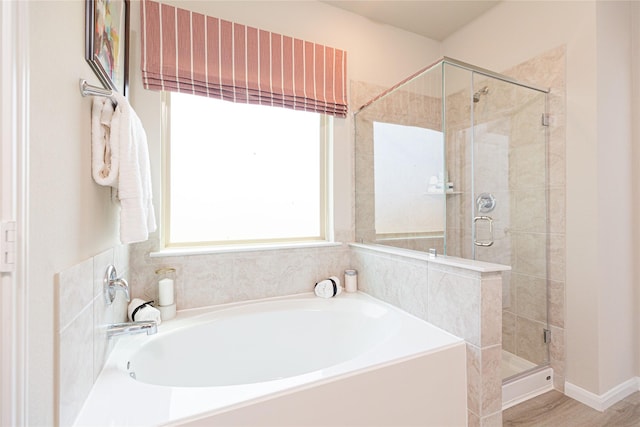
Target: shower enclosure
{"points": [[454, 159]]}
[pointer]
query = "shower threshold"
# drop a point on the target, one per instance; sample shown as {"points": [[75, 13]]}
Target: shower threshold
{"points": [[513, 365], [523, 380]]}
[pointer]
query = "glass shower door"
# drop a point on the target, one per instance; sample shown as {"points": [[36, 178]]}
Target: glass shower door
{"points": [[509, 210]]}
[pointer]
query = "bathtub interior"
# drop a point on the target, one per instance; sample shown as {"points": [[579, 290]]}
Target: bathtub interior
{"points": [[246, 346]]}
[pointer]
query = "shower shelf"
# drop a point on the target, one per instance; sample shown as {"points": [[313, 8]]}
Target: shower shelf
{"points": [[442, 193]]}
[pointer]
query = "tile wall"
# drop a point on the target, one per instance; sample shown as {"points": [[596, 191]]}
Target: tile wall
{"points": [[464, 302], [203, 280], [82, 316]]}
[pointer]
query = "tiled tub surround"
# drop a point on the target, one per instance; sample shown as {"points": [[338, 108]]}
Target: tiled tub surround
{"points": [[201, 280], [446, 292], [220, 278], [319, 351], [460, 296], [82, 346]]}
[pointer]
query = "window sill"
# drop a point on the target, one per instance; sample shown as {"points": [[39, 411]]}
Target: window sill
{"points": [[205, 250]]}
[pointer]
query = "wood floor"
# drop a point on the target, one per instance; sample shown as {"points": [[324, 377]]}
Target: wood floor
{"points": [[554, 409]]}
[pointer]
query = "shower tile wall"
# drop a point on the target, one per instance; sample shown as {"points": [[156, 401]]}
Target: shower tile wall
{"points": [[547, 69], [458, 165]]}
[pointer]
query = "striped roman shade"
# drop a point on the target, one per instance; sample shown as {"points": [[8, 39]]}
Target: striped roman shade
{"points": [[184, 51]]}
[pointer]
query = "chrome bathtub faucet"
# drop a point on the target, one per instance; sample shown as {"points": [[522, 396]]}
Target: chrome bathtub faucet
{"points": [[130, 328], [111, 284]]}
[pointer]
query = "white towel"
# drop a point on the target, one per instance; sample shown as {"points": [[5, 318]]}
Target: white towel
{"points": [[144, 313], [104, 156], [129, 169]]}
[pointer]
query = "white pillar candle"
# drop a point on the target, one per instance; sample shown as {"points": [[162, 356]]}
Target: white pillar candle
{"points": [[165, 292], [350, 280]]}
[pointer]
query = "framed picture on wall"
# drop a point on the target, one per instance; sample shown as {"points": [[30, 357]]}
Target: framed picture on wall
{"points": [[107, 42]]}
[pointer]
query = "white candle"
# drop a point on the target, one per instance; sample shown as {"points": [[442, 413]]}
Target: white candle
{"points": [[165, 292], [350, 280]]}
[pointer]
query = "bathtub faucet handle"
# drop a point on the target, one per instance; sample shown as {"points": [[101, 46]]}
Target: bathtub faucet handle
{"points": [[113, 283]]}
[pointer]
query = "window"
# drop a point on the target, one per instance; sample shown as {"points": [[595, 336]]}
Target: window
{"points": [[409, 180], [238, 173]]}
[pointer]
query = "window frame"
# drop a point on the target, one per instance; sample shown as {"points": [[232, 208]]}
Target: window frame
{"points": [[325, 193]]}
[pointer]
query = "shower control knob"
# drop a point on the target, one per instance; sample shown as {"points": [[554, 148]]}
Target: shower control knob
{"points": [[485, 202]]}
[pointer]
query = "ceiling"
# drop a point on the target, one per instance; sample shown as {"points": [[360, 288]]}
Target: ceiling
{"points": [[435, 19]]}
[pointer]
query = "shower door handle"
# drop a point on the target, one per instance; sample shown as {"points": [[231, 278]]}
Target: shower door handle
{"points": [[485, 243]]}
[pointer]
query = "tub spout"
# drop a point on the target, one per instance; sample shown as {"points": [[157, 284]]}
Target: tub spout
{"points": [[129, 328]]}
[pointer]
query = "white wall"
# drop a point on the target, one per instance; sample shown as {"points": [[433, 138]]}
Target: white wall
{"points": [[635, 111], [617, 333], [11, 131], [377, 53], [70, 218]]}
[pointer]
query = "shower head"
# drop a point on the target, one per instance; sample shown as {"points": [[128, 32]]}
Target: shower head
{"points": [[478, 94]]}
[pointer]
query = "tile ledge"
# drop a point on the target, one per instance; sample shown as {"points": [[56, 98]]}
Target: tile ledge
{"points": [[467, 264]]}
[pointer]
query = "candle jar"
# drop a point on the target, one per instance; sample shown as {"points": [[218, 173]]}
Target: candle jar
{"points": [[351, 280], [166, 291]]}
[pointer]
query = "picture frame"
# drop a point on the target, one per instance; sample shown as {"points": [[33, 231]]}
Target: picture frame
{"points": [[107, 42]]}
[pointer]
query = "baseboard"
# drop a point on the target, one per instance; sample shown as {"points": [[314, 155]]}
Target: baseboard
{"points": [[603, 401]]}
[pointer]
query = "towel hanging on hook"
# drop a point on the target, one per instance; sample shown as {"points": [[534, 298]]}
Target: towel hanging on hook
{"points": [[120, 159]]}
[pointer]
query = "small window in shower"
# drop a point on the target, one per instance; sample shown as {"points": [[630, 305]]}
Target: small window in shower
{"points": [[409, 181]]}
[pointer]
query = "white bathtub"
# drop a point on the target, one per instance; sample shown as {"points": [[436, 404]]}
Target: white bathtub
{"points": [[299, 360]]}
